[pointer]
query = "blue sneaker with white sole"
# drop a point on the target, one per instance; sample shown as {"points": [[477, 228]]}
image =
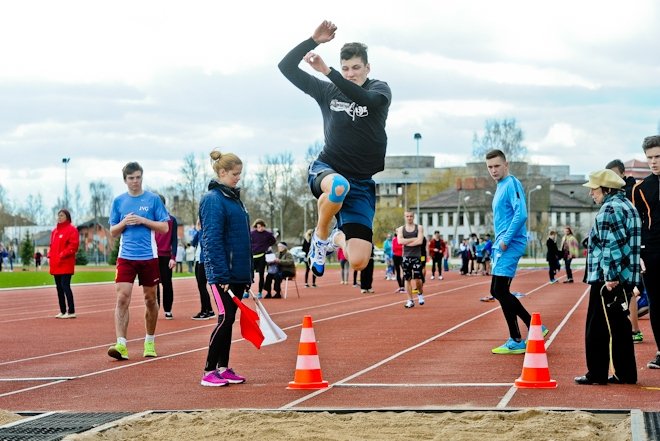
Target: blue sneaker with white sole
{"points": [[316, 255], [511, 347]]}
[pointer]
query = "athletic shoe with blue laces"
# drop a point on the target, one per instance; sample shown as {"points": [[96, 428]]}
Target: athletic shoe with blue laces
{"points": [[316, 256], [511, 347]]}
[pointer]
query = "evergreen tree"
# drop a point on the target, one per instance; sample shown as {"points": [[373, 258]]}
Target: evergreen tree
{"points": [[27, 251], [112, 259]]}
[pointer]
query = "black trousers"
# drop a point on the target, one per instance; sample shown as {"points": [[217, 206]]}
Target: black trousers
{"points": [[64, 293], [259, 264], [652, 284], [511, 306], [166, 281], [398, 263], [604, 324], [569, 271], [220, 341], [200, 276], [437, 260]]}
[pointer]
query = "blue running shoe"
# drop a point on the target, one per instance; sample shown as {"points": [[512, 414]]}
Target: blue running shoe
{"points": [[316, 256], [511, 347], [544, 330]]}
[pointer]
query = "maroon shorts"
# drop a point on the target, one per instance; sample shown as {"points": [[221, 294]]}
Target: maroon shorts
{"points": [[146, 270]]}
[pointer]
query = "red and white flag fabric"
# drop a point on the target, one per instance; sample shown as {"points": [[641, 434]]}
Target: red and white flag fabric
{"points": [[249, 322]]}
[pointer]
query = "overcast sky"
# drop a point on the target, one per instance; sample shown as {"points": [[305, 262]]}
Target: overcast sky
{"points": [[104, 83]]}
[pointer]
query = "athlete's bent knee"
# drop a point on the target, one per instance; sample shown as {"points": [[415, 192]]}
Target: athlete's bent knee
{"points": [[338, 189]]}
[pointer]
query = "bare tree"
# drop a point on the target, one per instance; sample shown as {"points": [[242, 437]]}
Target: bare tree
{"points": [[313, 151], [195, 177], [503, 135], [34, 209]]}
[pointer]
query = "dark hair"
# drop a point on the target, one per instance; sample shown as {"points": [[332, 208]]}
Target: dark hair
{"points": [[350, 50], [570, 230], [616, 163], [495, 153], [66, 213], [436, 232], [131, 168], [650, 142]]}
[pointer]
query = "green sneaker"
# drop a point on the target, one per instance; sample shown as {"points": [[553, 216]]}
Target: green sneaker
{"points": [[544, 330], [149, 349], [511, 347], [120, 352], [638, 337]]}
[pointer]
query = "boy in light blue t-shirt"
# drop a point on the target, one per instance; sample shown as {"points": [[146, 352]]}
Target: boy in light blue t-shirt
{"points": [[136, 215]]}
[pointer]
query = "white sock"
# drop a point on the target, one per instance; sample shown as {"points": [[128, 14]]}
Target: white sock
{"points": [[121, 341], [149, 338]]}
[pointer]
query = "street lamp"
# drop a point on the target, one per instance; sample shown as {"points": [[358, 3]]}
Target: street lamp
{"points": [[417, 137], [467, 213], [66, 161], [405, 189], [529, 209]]}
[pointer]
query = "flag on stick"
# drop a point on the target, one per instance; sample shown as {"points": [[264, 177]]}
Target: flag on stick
{"points": [[249, 326], [272, 333]]}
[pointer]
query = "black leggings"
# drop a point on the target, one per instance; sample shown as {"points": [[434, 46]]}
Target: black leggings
{"points": [[569, 272], [307, 268], [204, 299], [511, 306], [259, 264], [398, 263], [64, 293], [220, 342]]}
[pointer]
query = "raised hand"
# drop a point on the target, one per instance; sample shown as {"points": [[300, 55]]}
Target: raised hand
{"points": [[324, 32]]}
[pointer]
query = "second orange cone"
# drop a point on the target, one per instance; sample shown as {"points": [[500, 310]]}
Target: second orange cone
{"points": [[308, 366], [535, 372]]}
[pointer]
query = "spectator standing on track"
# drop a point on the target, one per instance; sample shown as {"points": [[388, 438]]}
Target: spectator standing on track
{"points": [[646, 198], [437, 252], [206, 311], [509, 216], [387, 252], [411, 236], [167, 244], [552, 256], [227, 260], [305, 249], [180, 256], [64, 243], [261, 240], [613, 269], [570, 249], [354, 109], [135, 216], [397, 260], [488, 251], [190, 257], [620, 169]]}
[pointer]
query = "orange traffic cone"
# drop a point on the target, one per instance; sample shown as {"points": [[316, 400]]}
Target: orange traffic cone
{"points": [[535, 372], [308, 366]]}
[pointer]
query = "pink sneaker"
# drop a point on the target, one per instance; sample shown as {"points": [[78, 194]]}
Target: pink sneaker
{"points": [[229, 375], [213, 379]]}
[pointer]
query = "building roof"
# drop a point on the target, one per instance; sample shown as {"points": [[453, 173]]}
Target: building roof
{"points": [[104, 221], [637, 169]]}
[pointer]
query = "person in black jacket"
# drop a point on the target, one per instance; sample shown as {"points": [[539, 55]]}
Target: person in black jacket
{"points": [[354, 109], [617, 167], [552, 256], [646, 198]]}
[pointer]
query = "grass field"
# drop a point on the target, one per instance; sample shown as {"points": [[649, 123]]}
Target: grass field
{"points": [[84, 274]]}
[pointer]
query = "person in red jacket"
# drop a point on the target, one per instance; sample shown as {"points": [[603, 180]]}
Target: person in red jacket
{"points": [[64, 243]]}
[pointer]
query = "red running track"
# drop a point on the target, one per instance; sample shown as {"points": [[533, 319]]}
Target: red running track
{"points": [[373, 352]]}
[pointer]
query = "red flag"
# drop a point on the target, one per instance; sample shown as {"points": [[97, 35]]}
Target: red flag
{"points": [[249, 326]]}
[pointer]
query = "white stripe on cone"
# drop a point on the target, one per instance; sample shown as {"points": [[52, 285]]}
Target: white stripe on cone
{"points": [[307, 335], [308, 362], [535, 360], [535, 333]]}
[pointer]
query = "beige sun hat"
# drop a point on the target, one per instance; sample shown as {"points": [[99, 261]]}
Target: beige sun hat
{"points": [[604, 178]]}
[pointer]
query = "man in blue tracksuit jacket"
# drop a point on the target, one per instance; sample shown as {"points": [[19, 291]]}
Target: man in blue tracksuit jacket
{"points": [[509, 216]]}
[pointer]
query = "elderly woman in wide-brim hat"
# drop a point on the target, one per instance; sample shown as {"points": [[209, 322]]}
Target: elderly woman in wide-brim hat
{"points": [[612, 271]]}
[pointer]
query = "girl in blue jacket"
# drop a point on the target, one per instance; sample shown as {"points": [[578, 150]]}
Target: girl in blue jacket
{"points": [[227, 260]]}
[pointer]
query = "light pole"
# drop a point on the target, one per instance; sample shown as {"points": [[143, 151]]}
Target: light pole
{"points": [[417, 137], [529, 211], [467, 214], [66, 161], [405, 189]]}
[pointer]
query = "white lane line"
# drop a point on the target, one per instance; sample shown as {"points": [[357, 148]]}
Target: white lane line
{"points": [[377, 385]]}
